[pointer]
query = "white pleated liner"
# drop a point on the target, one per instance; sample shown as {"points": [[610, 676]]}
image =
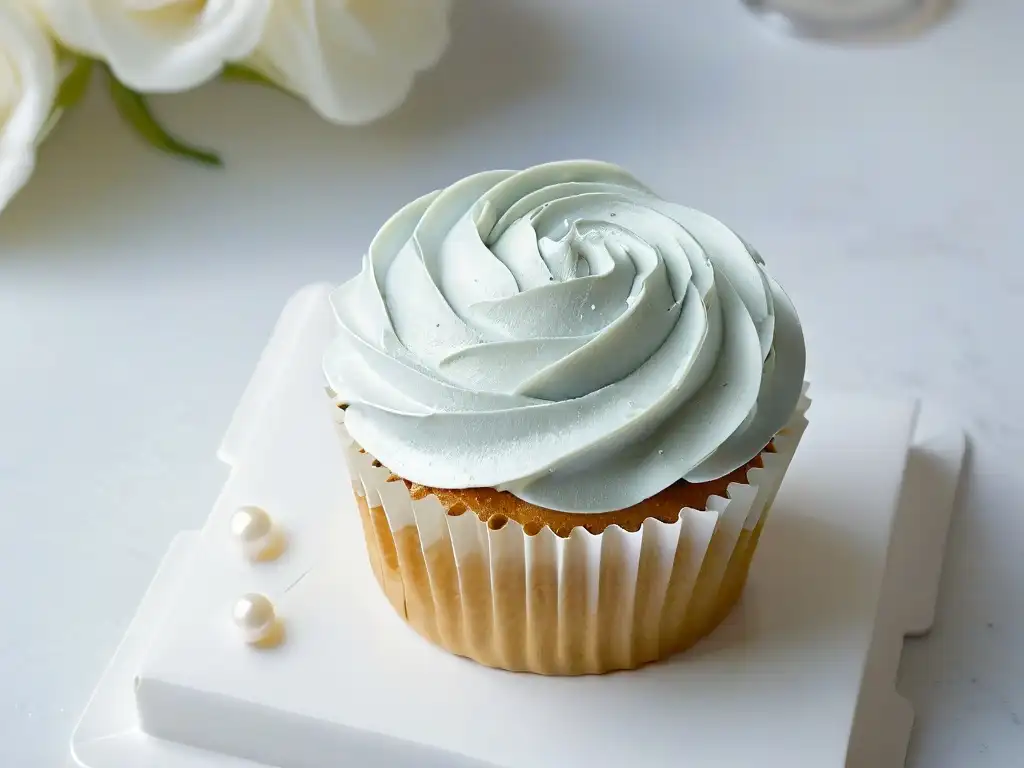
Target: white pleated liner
{"points": [[582, 552]]}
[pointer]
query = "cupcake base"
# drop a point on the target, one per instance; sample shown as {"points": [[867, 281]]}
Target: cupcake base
{"points": [[528, 619], [584, 603]]}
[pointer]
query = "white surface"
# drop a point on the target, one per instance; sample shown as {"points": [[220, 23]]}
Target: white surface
{"points": [[881, 184], [784, 672]]}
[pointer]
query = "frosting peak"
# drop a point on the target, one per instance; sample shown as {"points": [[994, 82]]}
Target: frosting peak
{"points": [[564, 334]]}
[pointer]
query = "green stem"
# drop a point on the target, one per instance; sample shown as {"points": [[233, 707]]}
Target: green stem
{"points": [[134, 108]]}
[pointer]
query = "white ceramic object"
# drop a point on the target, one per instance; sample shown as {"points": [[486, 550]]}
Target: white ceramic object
{"points": [[850, 20], [801, 674]]}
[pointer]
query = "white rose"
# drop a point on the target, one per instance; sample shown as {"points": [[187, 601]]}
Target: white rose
{"points": [[352, 60], [28, 86], [159, 45]]}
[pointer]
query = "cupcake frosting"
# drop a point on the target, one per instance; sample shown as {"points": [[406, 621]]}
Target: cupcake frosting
{"points": [[564, 334]]}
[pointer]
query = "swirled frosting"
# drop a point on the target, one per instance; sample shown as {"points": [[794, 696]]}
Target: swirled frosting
{"points": [[564, 334]]}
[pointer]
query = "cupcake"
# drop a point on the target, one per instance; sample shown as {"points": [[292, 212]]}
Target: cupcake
{"points": [[567, 405]]}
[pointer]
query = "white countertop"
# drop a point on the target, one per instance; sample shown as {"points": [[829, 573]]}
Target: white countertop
{"points": [[881, 185]]}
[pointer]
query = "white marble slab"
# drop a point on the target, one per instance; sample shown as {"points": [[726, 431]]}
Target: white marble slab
{"points": [[848, 564]]}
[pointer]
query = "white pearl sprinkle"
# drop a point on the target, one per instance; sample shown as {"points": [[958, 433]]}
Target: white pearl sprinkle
{"points": [[255, 617], [254, 530], [250, 524]]}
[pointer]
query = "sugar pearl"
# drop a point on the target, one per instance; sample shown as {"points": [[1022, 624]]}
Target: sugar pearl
{"points": [[255, 617], [255, 532]]}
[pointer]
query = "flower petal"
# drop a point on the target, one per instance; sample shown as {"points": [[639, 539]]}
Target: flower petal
{"points": [[159, 46], [28, 87], [352, 61]]}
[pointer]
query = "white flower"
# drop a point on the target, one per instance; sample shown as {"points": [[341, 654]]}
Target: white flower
{"points": [[352, 60], [159, 45], [28, 87]]}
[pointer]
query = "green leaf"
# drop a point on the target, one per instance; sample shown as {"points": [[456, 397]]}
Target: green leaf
{"points": [[134, 108], [238, 73], [243, 74], [75, 83], [72, 89]]}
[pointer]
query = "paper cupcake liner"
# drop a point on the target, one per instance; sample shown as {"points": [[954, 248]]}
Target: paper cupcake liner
{"points": [[582, 604]]}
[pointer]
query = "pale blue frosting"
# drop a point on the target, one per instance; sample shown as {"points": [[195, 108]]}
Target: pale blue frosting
{"points": [[564, 334]]}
